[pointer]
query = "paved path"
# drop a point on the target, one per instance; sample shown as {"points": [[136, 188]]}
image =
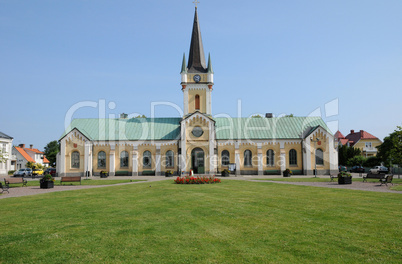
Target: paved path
{"points": [[33, 190]]}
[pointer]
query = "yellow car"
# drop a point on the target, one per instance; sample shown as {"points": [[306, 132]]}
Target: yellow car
{"points": [[37, 172]]}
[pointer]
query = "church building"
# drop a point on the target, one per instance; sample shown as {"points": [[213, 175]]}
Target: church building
{"points": [[197, 141]]}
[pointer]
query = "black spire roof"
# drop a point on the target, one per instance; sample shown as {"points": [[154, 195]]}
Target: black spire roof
{"points": [[196, 58]]}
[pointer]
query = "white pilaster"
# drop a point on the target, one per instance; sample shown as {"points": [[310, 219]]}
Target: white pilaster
{"points": [[62, 167], [208, 102], [182, 156], [135, 162], [307, 156], [237, 160], [283, 161], [87, 158], [333, 156], [211, 158], [185, 101], [158, 161]]}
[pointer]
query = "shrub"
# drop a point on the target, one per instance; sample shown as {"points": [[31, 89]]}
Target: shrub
{"points": [[197, 180]]}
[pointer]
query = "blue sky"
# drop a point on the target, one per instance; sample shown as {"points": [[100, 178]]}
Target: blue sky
{"points": [[280, 57]]}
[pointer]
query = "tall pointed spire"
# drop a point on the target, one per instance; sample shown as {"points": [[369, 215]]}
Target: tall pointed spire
{"points": [[183, 65], [210, 70], [196, 58]]}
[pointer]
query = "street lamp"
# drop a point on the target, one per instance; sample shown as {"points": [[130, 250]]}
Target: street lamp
{"points": [[315, 156]]}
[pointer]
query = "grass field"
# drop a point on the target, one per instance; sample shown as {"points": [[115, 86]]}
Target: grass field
{"points": [[396, 187], [231, 222], [83, 182]]}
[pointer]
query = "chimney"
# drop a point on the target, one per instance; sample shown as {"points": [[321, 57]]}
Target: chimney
{"points": [[268, 115], [31, 146], [22, 145], [352, 131]]}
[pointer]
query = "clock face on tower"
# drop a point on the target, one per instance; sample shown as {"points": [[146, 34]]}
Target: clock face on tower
{"points": [[197, 131], [197, 78]]}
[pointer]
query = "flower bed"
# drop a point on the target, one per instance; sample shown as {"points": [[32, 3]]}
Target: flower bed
{"points": [[197, 180]]}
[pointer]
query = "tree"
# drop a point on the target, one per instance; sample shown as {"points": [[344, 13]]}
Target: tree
{"points": [[256, 116], [345, 153], [356, 160], [51, 150], [390, 151], [3, 157], [372, 161]]}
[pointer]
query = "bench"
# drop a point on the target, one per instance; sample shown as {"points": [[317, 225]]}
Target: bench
{"points": [[121, 173], [148, 173], [4, 188], [15, 180], [387, 179], [70, 179], [373, 176], [332, 177]]}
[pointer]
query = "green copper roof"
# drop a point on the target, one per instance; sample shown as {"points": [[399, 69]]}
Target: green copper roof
{"points": [[266, 128], [169, 128], [128, 129]]}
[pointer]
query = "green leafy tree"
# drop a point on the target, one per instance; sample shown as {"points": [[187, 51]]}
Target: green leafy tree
{"points": [[256, 116], [356, 161], [140, 116], [390, 151], [345, 153], [3, 157], [291, 115], [51, 150], [30, 164], [372, 161]]}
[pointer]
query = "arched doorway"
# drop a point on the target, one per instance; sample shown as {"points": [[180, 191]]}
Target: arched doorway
{"points": [[197, 161]]}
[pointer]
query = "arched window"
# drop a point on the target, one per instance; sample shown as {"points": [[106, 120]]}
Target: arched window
{"points": [[169, 159], [292, 157], [225, 157], [197, 102], [270, 158], [147, 159], [319, 157], [247, 158], [75, 160], [101, 159], [124, 159]]}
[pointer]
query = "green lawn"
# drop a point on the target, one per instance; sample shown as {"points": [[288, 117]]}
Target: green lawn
{"points": [[231, 222], [396, 187], [83, 182]]}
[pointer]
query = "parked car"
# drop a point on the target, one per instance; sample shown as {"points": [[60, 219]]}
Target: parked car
{"points": [[379, 169], [342, 168], [23, 172], [358, 169], [51, 171], [37, 172]]}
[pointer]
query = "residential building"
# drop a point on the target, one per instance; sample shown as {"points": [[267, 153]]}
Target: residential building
{"points": [[31, 154], [6, 143], [362, 140]]}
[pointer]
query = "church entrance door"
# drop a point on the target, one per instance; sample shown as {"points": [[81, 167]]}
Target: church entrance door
{"points": [[197, 161]]}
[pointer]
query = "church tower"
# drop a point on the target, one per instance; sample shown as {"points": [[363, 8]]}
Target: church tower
{"points": [[197, 77]]}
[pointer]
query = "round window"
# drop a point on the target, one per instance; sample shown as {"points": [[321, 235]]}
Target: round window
{"points": [[197, 131]]}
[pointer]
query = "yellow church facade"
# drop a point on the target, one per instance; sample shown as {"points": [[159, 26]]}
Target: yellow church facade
{"points": [[197, 141]]}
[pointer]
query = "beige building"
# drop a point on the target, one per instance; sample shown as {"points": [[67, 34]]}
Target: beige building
{"points": [[197, 141]]}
